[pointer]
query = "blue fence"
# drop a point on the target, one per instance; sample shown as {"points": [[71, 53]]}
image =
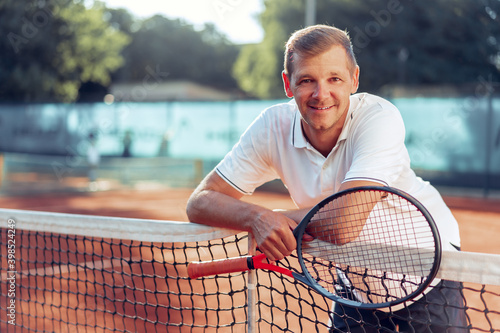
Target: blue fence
{"points": [[455, 141]]}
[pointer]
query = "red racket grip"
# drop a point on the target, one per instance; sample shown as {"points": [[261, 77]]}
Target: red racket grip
{"points": [[222, 266]]}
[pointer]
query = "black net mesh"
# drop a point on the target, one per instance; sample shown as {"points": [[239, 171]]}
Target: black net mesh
{"points": [[66, 283]]}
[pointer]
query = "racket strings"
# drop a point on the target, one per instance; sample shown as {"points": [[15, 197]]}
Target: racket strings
{"points": [[370, 246], [336, 220]]}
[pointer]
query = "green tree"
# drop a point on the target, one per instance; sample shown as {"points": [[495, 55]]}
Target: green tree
{"points": [[395, 41], [49, 48], [417, 43], [121, 20], [179, 52], [258, 67]]}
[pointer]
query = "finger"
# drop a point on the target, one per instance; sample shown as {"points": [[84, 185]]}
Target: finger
{"points": [[307, 238], [273, 254], [287, 244], [276, 249], [290, 243]]}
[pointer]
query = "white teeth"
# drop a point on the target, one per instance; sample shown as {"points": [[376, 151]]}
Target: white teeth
{"points": [[323, 108]]}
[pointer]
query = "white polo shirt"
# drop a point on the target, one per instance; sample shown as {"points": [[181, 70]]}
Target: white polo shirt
{"points": [[370, 147]]}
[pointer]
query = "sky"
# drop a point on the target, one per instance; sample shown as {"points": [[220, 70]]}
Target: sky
{"points": [[237, 19]]}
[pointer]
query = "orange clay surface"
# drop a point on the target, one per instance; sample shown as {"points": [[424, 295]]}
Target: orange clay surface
{"points": [[479, 219]]}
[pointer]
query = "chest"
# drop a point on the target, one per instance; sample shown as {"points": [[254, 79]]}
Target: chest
{"points": [[310, 177]]}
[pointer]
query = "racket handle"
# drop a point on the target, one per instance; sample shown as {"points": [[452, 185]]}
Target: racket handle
{"points": [[222, 266]]}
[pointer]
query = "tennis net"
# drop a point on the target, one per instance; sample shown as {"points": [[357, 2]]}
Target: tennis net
{"points": [[66, 272]]}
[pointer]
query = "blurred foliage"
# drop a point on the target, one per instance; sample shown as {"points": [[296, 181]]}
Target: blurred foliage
{"points": [[52, 50], [49, 48], [176, 51], [450, 42]]}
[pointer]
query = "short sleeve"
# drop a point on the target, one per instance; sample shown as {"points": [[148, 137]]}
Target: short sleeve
{"points": [[379, 152], [248, 165]]}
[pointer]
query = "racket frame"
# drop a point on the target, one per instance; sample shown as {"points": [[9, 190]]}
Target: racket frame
{"points": [[306, 278]]}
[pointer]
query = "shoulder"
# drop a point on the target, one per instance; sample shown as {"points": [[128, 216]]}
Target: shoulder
{"points": [[281, 110], [277, 117], [372, 114], [371, 108], [272, 123], [364, 102]]}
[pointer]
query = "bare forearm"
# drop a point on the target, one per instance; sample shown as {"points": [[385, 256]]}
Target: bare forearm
{"points": [[220, 210], [295, 214], [272, 230], [216, 203]]}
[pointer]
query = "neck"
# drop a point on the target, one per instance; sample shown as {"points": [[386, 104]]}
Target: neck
{"points": [[324, 140]]}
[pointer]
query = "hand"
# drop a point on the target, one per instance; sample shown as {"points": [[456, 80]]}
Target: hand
{"points": [[273, 233]]}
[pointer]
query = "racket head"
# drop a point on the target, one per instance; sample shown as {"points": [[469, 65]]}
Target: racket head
{"points": [[388, 259]]}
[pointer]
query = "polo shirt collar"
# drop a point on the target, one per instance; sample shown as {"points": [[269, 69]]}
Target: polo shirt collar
{"points": [[298, 138]]}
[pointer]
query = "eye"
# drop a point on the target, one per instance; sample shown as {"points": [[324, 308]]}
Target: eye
{"points": [[304, 81]]}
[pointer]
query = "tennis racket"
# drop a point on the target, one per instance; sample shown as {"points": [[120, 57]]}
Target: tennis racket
{"points": [[373, 247]]}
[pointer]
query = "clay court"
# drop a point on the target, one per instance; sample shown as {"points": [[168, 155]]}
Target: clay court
{"points": [[479, 221], [479, 218]]}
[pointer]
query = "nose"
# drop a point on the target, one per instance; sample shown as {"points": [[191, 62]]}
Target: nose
{"points": [[321, 90]]}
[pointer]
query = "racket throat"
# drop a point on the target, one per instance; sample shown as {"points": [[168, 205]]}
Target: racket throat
{"points": [[260, 261]]}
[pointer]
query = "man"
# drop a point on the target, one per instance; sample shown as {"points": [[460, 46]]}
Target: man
{"points": [[326, 139]]}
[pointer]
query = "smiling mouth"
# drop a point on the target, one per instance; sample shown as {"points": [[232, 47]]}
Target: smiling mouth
{"points": [[318, 108]]}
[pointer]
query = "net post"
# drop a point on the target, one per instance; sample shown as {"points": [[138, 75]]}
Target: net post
{"points": [[252, 289]]}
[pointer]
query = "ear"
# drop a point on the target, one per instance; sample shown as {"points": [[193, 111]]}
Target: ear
{"points": [[355, 81], [286, 84]]}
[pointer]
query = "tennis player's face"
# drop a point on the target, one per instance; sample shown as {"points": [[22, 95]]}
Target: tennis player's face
{"points": [[321, 86]]}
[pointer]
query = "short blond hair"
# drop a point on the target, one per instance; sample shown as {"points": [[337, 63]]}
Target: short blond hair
{"points": [[315, 40]]}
